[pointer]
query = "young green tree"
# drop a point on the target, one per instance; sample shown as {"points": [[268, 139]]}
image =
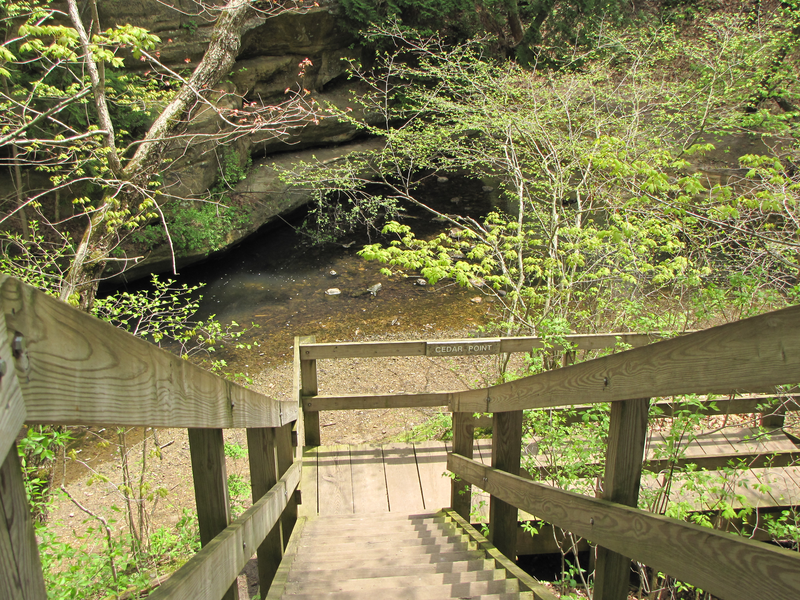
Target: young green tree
{"points": [[66, 104], [599, 163]]}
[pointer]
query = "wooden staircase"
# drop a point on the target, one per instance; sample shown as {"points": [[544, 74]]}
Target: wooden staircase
{"points": [[428, 556]]}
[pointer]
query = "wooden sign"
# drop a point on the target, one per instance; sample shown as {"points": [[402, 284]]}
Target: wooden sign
{"points": [[463, 347]]}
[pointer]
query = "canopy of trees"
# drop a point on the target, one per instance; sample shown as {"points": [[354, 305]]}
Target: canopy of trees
{"points": [[615, 215]]}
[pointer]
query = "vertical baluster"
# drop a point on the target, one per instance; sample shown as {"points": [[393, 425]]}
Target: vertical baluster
{"points": [[463, 442], [627, 435], [506, 454], [206, 447]]}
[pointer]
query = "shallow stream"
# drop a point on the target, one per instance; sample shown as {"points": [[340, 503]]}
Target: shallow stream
{"points": [[277, 281]]}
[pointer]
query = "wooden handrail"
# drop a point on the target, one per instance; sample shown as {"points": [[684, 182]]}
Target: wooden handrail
{"points": [[752, 355], [742, 569], [468, 347], [210, 572], [719, 406], [74, 369], [63, 367]]}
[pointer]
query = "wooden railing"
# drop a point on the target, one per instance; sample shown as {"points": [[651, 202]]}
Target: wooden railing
{"points": [[307, 352], [751, 356], [62, 367]]}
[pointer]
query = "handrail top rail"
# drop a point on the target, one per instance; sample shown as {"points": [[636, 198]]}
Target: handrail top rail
{"points": [[75, 369], [751, 355], [470, 346]]}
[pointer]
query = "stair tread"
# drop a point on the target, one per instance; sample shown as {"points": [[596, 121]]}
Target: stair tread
{"points": [[365, 572], [318, 540], [407, 580], [381, 549], [383, 589], [408, 559]]}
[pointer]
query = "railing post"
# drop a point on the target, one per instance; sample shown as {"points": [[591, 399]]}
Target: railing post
{"points": [[285, 455], [207, 450], [506, 454], [263, 475], [463, 443], [20, 566], [775, 418], [308, 387], [627, 434]]}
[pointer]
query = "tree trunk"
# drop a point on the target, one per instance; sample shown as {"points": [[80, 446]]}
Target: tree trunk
{"points": [[101, 236]]}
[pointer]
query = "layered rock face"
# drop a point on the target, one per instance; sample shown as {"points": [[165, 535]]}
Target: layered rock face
{"points": [[268, 65]]}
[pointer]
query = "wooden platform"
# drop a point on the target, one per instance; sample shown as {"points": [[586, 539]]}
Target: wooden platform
{"points": [[404, 478], [410, 478]]}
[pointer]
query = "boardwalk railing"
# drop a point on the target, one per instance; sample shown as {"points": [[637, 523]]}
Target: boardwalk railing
{"points": [[60, 366], [751, 356]]}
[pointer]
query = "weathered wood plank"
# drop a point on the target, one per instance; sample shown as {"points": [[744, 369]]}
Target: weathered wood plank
{"points": [[211, 571], [743, 569], [308, 484], [432, 465], [721, 406], [308, 386], [751, 355], [12, 405], [363, 349], [334, 480], [317, 403], [20, 567], [463, 444], [402, 479], [369, 480], [263, 476], [596, 341], [284, 452], [627, 434], [506, 454], [207, 450], [98, 369]]}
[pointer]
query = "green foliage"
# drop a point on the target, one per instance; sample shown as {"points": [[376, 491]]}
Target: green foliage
{"points": [[75, 569], [165, 314], [202, 226], [606, 215], [437, 427], [238, 491], [233, 450], [38, 450]]}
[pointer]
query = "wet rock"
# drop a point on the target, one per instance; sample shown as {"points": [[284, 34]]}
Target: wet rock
{"points": [[456, 255], [374, 289], [332, 273], [501, 293], [487, 188], [456, 233], [420, 282], [442, 180], [455, 200], [476, 300], [333, 292]]}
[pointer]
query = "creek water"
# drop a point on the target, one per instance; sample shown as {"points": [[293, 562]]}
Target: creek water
{"points": [[277, 281]]}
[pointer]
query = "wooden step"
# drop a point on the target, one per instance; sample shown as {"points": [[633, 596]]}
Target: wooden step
{"points": [[414, 579], [385, 590], [320, 546], [304, 563], [361, 572], [367, 529], [421, 557]]}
